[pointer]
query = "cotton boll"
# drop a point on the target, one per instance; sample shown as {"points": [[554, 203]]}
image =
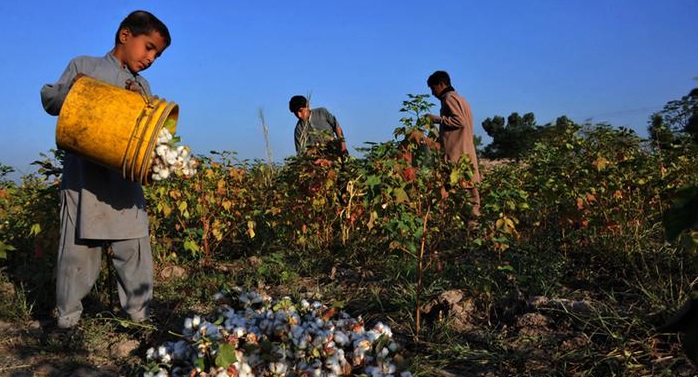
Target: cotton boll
{"points": [[182, 350], [386, 367], [150, 353], [304, 343], [341, 338], [161, 150], [239, 332], [176, 159], [196, 321], [166, 359], [162, 373], [278, 368]]}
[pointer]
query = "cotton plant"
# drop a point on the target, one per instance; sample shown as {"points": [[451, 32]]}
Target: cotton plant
{"points": [[170, 159], [255, 335]]}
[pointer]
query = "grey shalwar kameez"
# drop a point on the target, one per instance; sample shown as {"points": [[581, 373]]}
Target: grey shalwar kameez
{"points": [[98, 208], [310, 132]]}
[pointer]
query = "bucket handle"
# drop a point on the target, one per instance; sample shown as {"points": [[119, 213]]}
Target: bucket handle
{"points": [[146, 112], [161, 122]]}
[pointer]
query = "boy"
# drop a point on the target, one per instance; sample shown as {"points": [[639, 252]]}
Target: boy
{"points": [[99, 208], [311, 123], [455, 127]]}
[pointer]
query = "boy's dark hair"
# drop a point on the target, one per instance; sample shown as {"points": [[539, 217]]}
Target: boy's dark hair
{"points": [[439, 77], [141, 22], [296, 103]]}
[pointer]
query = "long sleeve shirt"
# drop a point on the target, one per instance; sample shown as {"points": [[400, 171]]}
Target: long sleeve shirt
{"points": [[456, 129], [100, 202]]}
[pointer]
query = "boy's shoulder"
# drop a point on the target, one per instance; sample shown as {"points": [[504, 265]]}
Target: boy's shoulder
{"points": [[94, 65], [87, 59], [320, 110]]}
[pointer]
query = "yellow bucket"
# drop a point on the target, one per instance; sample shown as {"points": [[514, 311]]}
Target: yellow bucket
{"points": [[114, 127]]}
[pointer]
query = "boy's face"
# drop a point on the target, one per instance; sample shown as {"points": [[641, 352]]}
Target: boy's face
{"points": [[303, 113], [139, 52], [437, 89]]}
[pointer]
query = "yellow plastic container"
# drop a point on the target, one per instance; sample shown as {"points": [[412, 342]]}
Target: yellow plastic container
{"points": [[114, 127]]}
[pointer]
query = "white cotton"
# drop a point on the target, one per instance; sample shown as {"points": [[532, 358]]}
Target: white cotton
{"points": [[174, 159], [239, 332], [309, 345], [341, 338], [166, 359], [150, 353], [278, 368], [161, 149], [196, 321]]}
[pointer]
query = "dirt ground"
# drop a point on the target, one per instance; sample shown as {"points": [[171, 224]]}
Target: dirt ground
{"points": [[529, 338]]}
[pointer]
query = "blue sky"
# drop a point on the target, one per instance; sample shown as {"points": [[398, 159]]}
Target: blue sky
{"points": [[605, 61]]}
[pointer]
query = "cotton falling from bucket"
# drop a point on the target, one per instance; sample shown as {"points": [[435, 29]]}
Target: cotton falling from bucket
{"points": [[170, 159]]}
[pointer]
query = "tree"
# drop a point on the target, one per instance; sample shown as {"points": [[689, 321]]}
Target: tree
{"points": [[691, 127], [677, 121], [511, 139], [659, 133], [553, 131]]}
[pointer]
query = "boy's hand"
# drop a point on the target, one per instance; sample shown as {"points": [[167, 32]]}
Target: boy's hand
{"points": [[133, 86], [80, 74], [434, 118]]}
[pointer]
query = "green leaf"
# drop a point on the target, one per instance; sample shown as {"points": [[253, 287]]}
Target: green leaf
{"points": [[182, 206], [226, 355], [400, 195], [200, 363], [373, 180], [4, 248], [454, 177], [35, 229], [192, 246]]}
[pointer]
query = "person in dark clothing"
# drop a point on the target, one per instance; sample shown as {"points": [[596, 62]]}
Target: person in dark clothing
{"points": [[315, 126]]}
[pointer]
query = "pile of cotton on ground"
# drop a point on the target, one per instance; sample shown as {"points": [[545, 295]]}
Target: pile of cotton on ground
{"points": [[170, 159], [266, 337]]}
